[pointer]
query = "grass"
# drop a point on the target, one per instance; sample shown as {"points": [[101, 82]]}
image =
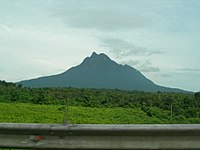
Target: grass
{"points": [[31, 113], [35, 113]]}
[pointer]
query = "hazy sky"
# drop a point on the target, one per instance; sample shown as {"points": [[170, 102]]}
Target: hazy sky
{"points": [[160, 38]]}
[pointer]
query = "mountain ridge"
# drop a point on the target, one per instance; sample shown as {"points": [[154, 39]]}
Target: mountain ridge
{"points": [[99, 71]]}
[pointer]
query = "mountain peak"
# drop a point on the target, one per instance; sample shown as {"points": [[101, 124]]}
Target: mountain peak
{"points": [[94, 54], [97, 60], [100, 62], [99, 56]]}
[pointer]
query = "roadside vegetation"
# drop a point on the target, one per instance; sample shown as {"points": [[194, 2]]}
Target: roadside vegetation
{"points": [[97, 106]]}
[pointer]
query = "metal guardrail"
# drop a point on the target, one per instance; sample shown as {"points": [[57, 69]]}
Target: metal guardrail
{"points": [[99, 137]]}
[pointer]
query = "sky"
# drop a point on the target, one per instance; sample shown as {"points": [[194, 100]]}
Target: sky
{"points": [[160, 38]]}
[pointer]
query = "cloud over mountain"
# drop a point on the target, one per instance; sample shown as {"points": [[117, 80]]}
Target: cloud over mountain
{"points": [[123, 48]]}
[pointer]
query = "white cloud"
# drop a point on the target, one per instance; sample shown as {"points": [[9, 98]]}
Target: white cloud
{"points": [[101, 15], [166, 75], [147, 67], [132, 63], [123, 48], [189, 69]]}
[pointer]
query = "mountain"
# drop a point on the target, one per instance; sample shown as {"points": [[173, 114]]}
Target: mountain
{"points": [[99, 71]]}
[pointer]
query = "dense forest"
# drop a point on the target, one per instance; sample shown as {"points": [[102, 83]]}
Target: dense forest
{"points": [[159, 104]]}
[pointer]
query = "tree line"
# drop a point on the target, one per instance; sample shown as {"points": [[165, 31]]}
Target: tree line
{"points": [[178, 104]]}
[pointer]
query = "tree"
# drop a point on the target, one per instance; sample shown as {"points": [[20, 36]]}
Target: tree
{"points": [[197, 96]]}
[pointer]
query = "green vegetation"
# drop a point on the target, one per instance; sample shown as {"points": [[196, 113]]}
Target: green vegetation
{"points": [[32, 113], [35, 113], [48, 105]]}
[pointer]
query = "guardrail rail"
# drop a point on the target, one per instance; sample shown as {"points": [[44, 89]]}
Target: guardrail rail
{"points": [[99, 137]]}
